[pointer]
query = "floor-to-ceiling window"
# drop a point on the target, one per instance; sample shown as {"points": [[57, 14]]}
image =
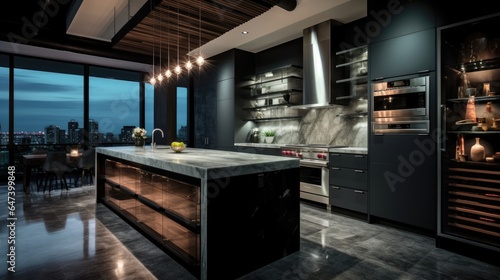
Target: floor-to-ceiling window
{"points": [[182, 114], [149, 107], [48, 104], [115, 105], [4, 112]]}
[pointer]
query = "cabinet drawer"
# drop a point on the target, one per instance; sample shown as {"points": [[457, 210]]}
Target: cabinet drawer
{"points": [[349, 177], [348, 160], [351, 199]]}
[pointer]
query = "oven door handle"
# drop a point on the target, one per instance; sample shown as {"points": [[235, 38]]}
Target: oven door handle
{"points": [[311, 163]]}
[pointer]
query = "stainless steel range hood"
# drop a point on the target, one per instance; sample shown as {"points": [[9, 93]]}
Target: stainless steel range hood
{"points": [[317, 65]]}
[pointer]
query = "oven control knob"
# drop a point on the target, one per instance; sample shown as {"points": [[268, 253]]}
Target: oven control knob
{"points": [[284, 153], [299, 154], [319, 156]]}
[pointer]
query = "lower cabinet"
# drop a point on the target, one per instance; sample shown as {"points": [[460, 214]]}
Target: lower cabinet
{"points": [[166, 208], [349, 181]]}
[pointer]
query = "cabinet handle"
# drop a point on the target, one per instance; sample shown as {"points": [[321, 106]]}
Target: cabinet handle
{"points": [[423, 71], [335, 168], [334, 187], [335, 155], [359, 156], [359, 171], [361, 192]]}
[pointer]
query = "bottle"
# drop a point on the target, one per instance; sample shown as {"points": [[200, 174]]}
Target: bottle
{"points": [[489, 118]]}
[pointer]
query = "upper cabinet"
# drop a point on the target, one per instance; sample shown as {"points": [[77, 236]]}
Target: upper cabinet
{"points": [[405, 55], [394, 18], [268, 95]]}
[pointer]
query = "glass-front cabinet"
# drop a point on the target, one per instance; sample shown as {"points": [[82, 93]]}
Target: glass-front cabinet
{"points": [[469, 187]]}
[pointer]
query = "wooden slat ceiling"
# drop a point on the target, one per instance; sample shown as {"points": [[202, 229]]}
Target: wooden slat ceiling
{"points": [[175, 24]]}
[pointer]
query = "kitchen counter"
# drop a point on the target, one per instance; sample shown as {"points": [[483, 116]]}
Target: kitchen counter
{"points": [[201, 163], [349, 150], [206, 207]]}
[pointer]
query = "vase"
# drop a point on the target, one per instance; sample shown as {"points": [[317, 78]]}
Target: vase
{"points": [[477, 151], [139, 142], [268, 139]]}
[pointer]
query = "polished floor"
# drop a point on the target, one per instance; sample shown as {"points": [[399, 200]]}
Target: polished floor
{"points": [[66, 235]]}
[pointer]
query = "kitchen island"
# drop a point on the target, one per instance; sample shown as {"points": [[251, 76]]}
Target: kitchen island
{"points": [[219, 214]]}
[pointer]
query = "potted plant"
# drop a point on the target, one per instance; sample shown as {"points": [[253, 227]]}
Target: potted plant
{"points": [[269, 136]]}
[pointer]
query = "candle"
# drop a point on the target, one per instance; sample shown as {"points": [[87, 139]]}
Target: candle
{"points": [[74, 152], [486, 89]]}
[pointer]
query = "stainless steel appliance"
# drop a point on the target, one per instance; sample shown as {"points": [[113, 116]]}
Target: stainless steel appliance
{"points": [[314, 170], [401, 105]]}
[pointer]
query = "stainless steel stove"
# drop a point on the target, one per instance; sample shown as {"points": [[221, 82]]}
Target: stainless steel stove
{"points": [[314, 169]]}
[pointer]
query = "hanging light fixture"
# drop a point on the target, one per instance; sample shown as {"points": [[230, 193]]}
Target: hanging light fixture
{"points": [[160, 76], [153, 79], [199, 60], [168, 73], [188, 64], [178, 69]]}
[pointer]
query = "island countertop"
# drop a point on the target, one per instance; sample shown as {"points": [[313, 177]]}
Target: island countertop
{"points": [[201, 163]]}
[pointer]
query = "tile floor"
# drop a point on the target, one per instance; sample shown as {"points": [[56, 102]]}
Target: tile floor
{"points": [[66, 235]]}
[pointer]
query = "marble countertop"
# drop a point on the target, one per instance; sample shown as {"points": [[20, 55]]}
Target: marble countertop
{"points": [[258, 145], [349, 150], [201, 163]]}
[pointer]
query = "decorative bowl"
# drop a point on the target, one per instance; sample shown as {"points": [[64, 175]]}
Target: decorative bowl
{"points": [[178, 149]]}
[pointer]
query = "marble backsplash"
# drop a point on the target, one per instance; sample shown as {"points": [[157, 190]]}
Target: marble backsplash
{"points": [[330, 126]]}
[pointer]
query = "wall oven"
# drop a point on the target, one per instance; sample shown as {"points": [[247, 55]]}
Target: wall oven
{"points": [[401, 105], [314, 170]]}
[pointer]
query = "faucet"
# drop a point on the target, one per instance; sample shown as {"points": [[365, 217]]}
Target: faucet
{"points": [[153, 144]]}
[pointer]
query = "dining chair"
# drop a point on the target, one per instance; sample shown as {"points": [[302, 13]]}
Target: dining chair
{"points": [[86, 165], [56, 167]]}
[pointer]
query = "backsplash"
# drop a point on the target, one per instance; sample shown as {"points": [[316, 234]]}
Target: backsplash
{"points": [[322, 126]]}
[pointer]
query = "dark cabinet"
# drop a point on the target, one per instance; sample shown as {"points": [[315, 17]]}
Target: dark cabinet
{"points": [[408, 54], [469, 188], [403, 179], [214, 100], [391, 19], [348, 178], [205, 124]]}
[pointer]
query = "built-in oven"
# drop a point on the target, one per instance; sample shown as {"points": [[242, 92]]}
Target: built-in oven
{"points": [[314, 170], [401, 105]]}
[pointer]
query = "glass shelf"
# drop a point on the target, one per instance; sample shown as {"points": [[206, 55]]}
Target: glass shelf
{"points": [[477, 65], [354, 115], [476, 99], [357, 80], [275, 119]]}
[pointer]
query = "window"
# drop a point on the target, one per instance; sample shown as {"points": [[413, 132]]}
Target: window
{"points": [[114, 105], [182, 114], [4, 112], [149, 111], [48, 101]]}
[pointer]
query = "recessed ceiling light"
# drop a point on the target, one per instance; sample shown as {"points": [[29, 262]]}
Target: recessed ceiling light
{"points": [[244, 32]]}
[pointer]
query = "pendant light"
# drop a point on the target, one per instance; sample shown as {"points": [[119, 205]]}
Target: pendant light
{"points": [[168, 73], [178, 69], [188, 64], [153, 79], [200, 59], [160, 76]]}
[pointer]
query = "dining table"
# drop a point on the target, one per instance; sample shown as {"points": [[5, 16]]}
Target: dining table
{"points": [[31, 161]]}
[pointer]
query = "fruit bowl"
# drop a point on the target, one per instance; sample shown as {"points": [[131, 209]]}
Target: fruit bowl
{"points": [[177, 147]]}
